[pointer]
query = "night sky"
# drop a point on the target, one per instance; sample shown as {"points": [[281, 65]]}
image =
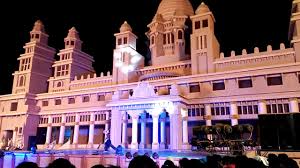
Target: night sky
{"points": [[263, 22]]}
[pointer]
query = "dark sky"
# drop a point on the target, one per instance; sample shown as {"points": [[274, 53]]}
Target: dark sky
{"points": [[239, 24]]}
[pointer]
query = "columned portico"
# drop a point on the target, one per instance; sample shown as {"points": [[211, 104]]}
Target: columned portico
{"points": [[155, 115], [49, 131], [134, 114], [91, 130], [234, 113], [62, 130]]}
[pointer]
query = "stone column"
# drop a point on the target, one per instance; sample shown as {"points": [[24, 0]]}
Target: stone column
{"points": [[106, 123], [143, 131], [76, 130], [124, 129], [91, 130], [208, 118], [134, 143], [116, 127], [49, 130], [176, 128], [262, 107], [163, 131], [234, 113], [155, 144], [62, 130], [294, 107], [185, 134]]}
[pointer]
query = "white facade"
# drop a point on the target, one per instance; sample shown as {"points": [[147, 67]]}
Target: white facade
{"points": [[147, 106]]}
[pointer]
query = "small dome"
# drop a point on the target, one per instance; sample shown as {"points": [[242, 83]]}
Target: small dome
{"points": [[73, 33], [38, 26], [202, 8], [168, 8], [125, 27]]}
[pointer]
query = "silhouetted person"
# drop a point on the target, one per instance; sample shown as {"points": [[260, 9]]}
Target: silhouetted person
{"points": [[184, 163], [142, 162], [61, 163], [27, 165], [168, 164], [98, 166]]}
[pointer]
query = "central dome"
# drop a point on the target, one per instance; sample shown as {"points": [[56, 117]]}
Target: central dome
{"points": [[169, 8]]}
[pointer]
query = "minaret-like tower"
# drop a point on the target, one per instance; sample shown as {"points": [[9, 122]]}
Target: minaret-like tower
{"points": [[204, 44], [72, 62], [167, 29], [294, 33], [35, 63], [126, 58]]}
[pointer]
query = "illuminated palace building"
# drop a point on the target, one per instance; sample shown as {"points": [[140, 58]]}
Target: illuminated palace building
{"points": [[188, 83]]}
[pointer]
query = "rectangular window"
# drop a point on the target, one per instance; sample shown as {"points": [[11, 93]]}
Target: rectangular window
{"points": [[205, 23], [245, 83], [205, 41], [197, 25], [119, 41], [62, 70], [269, 109], [71, 100], [194, 88], [72, 43], [45, 103], [58, 102], [219, 86], [255, 109], [14, 106], [37, 36], [101, 98], [274, 80], [125, 40], [298, 78], [86, 99], [164, 39], [239, 109]]}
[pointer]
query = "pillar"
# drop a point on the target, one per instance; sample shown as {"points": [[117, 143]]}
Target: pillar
{"points": [[134, 143], [62, 130], [185, 133], [76, 130], [91, 130], [155, 144], [208, 118], [234, 113], [49, 130], [176, 128], [262, 107], [106, 124], [294, 106], [143, 131], [124, 129], [163, 133], [116, 127]]}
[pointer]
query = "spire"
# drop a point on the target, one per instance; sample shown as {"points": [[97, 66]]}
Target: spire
{"points": [[38, 26], [202, 8], [125, 27], [73, 34]]}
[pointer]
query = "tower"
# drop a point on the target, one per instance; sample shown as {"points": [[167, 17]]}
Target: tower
{"points": [[294, 32], [167, 29], [72, 62], [204, 44], [126, 58], [35, 63]]}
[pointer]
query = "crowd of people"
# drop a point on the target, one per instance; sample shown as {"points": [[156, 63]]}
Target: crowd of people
{"points": [[214, 161]]}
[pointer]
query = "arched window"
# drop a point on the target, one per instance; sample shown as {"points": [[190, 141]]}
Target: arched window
{"points": [[21, 81], [152, 40], [59, 84], [180, 34]]}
